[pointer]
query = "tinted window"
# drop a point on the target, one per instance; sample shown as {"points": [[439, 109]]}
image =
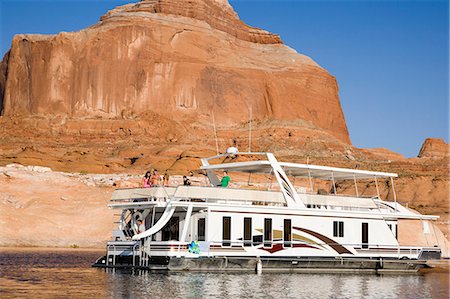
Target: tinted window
{"points": [[247, 231], [287, 235], [267, 232], [226, 231], [201, 229]]}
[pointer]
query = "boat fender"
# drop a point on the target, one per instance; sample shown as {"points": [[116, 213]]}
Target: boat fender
{"points": [[258, 266]]}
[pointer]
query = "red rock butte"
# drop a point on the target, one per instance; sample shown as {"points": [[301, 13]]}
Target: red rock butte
{"points": [[183, 60], [434, 148]]}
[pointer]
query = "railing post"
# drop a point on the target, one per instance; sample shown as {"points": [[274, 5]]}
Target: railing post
{"points": [[356, 185], [395, 195], [114, 255], [334, 183]]}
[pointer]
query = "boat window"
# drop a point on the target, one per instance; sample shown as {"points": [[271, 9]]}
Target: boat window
{"points": [[287, 235], [338, 228], [267, 232], [247, 231], [171, 230], [365, 235], [201, 229], [393, 228], [226, 231]]}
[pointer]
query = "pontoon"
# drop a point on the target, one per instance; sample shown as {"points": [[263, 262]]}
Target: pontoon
{"points": [[291, 224]]}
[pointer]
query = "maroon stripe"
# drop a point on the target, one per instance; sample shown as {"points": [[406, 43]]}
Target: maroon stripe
{"points": [[333, 244]]}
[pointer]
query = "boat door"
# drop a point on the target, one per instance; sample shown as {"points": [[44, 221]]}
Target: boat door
{"points": [[365, 235]]}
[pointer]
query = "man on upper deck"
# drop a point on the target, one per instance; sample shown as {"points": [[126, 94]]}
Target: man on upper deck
{"points": [[225, 180]]}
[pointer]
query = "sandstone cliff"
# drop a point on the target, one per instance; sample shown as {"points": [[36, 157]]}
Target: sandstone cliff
{"points": [[184, 60], [140, 89]]}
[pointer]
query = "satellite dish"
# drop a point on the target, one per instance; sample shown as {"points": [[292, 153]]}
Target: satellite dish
{"points": [[232, 150]]}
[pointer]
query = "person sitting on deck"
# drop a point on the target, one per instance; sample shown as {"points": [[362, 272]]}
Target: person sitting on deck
{"points": [[225, 180], [186, 181], [147, 180], [141, 226]]}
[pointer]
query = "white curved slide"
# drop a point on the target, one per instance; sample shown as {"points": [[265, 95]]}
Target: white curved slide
{"points": [[158, 225]]}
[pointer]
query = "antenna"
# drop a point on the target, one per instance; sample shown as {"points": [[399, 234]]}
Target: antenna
{"points": [[250, 131], [215, 132]]}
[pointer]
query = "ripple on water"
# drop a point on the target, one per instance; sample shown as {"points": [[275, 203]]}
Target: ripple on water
{"points": [[67, 273]]}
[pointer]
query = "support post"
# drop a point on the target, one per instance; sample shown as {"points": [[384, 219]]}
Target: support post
{"points": [[378, 190], [395, 195], [250, 132], [356, 185], [186, 223], [334, 184], [310, 181], [215, 133]]}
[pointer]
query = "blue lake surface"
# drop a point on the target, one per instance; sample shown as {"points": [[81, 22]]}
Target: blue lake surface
{"points": [[45, 273]]}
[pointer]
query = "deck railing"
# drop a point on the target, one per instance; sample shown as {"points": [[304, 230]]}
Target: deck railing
{"points": [[177, 248]]}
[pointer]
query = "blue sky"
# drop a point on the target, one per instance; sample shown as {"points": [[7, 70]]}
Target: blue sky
{"points": [[390, 58]]}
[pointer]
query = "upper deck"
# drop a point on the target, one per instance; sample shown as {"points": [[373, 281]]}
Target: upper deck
{"points": [[285, 193]]}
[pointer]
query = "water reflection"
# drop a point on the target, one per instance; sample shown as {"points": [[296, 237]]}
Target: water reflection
{"points": [[68, 274]]}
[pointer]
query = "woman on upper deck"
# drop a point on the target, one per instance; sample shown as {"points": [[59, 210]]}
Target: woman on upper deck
{"points": [[155, 178], [146, 181]]}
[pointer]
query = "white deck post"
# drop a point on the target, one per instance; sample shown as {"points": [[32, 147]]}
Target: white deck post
{"points": [[334, 184], [215, 133], [378, 190], [289, 193], [356, 185], [250, 132], [186, 223], [310, 181], [395, 195]]}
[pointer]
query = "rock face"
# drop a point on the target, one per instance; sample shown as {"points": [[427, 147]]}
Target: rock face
{"points": [[434, 148], [183, 60]]}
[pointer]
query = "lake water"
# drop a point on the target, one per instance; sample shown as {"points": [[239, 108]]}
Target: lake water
{"points": [[40, 273]]}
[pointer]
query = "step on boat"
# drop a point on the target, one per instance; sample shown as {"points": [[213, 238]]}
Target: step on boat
{"points": [[291, 224]]}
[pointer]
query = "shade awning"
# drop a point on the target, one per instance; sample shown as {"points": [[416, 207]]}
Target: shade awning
{"points": [[301, 170]]}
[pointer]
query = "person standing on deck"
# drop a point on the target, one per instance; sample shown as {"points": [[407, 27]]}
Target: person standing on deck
{"points": [[166, 179], [154, 179], [225, 180], [146, 182]]}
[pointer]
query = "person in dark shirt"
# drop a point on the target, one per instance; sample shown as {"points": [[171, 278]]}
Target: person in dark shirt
{"points": [[186, 181]]}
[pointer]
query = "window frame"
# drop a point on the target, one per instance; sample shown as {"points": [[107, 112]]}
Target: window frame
{"points": [[247, 241], [338, 229], [267, 242], [226, 242], [203, 219], [287, 243]]}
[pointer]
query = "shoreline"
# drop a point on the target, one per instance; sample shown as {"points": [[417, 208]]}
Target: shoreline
{"points": [[39, 248]]}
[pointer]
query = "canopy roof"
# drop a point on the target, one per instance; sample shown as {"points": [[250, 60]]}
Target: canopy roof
{"points": [[302, 170]]}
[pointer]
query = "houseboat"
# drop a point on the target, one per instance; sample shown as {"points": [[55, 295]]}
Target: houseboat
{"points": [[293, 223]]}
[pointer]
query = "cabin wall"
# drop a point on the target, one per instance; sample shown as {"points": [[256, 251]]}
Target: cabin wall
{"points": [[379, 232]]}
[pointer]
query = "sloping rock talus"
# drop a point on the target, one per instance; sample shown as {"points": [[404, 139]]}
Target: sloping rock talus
{"points": [[182, 59]]}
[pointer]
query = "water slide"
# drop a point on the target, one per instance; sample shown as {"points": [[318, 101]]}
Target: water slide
{"points": [[158, 225]]}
